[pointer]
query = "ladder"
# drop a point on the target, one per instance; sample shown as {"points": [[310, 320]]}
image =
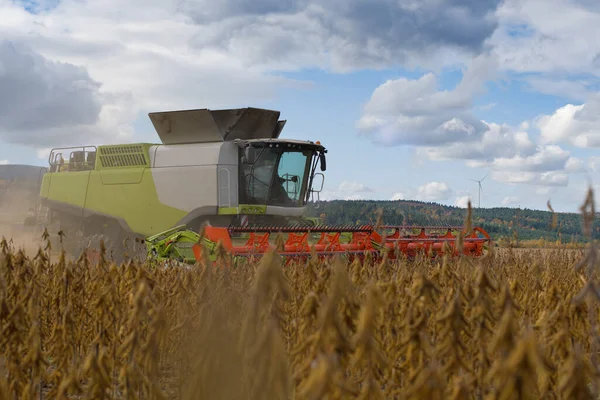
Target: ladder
{"points": [[41, 219], [41, 212]]}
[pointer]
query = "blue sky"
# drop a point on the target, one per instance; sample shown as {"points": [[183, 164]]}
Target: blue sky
{"points": [[412, 99]]}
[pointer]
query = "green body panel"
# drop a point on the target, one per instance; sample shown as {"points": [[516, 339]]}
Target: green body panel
{"points": [[69, 188], [122, 177], [134, 201], [120, 186], [245, 209], [45, 185]]}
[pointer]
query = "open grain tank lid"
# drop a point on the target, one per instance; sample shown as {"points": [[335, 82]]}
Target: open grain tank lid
{"points": [[204, 125]]}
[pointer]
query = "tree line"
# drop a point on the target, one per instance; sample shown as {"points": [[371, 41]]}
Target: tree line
{"points": [[526, 224]]}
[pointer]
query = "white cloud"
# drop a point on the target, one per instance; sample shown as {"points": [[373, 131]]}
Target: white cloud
{"points": [[440, 124], [549, 178], [165, 55], [498, 141], [45, 102], [399, 196], [141, 64], [356, 35], [442, 128], [414, 112], [574, 164], [4, 162], [547, 158], [462, 201], [594, 163], [531, 38], [509, 200], [578, 125], [559, 86], [432, 191], [347, 191]]}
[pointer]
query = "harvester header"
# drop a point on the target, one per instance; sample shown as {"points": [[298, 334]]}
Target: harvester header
{"points": [[302, 243]]}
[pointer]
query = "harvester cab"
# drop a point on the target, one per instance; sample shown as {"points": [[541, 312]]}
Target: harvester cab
{"points": [[274, 179], [280, 173]]}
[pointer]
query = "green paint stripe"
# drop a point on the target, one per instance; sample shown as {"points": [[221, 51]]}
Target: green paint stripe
{"points": [[248, 209]]}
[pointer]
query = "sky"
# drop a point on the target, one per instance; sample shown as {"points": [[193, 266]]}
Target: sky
{"points": [[414, 99]]}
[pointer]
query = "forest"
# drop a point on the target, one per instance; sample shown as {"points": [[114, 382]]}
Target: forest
{"points": [[500, 222]]}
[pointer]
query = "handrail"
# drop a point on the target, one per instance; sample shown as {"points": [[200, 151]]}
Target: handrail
{"points": [[69, 148], [57, 151]]}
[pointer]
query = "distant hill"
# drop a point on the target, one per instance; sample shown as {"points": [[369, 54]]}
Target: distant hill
{"points": [[11, 172], [19, 187], [498, 222]]}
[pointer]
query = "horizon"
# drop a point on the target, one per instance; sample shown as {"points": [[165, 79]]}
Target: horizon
{"points": [[474, 208]]}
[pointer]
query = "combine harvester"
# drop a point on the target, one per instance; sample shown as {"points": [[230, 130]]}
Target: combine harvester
{"points": [[225, 170]]}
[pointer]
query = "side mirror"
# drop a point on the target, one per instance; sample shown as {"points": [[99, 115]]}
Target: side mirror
{"points": [[323, 161]]}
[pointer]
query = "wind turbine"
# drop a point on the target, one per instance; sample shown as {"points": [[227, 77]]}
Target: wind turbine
{"points": [[480, 188]]}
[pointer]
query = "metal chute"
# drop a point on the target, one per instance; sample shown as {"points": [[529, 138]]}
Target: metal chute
{"points": [[204, 125]]}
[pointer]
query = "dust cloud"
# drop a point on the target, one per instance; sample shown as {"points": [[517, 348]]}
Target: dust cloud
{"points": [[17, 210]]}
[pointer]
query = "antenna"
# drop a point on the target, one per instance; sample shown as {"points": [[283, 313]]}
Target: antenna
{"points": [[480, 188]]}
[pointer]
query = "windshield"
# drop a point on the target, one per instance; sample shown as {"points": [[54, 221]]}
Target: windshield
{"points": [[274, 176]]}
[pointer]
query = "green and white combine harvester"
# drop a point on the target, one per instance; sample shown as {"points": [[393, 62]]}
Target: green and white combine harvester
{"points": [[221, 167], [225, 170]]}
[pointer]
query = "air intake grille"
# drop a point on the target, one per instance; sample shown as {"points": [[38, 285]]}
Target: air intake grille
{"points": [[122, 156]]}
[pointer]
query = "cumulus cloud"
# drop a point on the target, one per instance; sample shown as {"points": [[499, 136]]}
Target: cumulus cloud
{"points": [[510, 200], [594, 163], [574, 89], [530, 38], [498, 141], [545, 165], [347, 191], [111, 67], [415, 112], [43, 102], [399, 196], [440, 124], [578, 125], [462, 201], [548, 158], [344, 35], [574, 164], [549, 178], [432, 191]]}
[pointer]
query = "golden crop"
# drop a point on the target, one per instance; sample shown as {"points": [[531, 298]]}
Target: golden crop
{"points": [[516, 324]]}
